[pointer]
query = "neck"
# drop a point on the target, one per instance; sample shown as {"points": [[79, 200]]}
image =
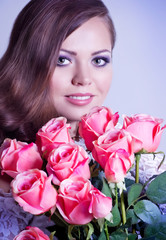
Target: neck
{"points": [[74, 129]]}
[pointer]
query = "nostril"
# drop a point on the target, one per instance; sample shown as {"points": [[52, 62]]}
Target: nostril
{"points": [[81, 81], [75, 82]]}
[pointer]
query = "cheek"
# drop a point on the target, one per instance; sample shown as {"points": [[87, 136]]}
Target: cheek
{"points": [[55, 85], [104, 82], [59, 81]]}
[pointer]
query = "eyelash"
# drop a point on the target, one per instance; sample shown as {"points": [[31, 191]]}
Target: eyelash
{"points": [[94, 61], [105, 59], [63, 58]]}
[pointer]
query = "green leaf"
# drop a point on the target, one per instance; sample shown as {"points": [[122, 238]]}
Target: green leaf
{"points": [[147, 211], [157, 230], [129, 182], [128, 224], [156, 191], [130, 214], [119, 235], [134, 192], [116, 217], [102, 236], [149, 238], [132, 236], [106, 189]]}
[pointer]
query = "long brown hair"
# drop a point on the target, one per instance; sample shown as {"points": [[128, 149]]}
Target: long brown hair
{"points": [[30, 60]]}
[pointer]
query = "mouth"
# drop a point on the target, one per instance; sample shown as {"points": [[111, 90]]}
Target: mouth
{"points": [[80, 99]]}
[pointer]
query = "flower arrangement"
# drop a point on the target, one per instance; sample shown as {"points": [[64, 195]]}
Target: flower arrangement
{"points": [[90, 192]]}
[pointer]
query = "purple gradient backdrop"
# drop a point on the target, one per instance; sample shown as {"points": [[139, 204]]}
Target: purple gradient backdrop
{"points": [[139, 59]]}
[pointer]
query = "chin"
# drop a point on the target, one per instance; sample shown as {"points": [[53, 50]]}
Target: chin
{"points": [[77, 116], [81, 112]]}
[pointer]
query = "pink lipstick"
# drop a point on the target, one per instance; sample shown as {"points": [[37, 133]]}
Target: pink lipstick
{"points": [[80, 99]]}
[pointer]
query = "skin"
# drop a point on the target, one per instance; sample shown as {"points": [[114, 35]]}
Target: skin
{"points": [[84, 70], [83, 74]]}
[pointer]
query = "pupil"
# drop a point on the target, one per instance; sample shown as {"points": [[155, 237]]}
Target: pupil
{"points": [[98, 61], [61, 60]]}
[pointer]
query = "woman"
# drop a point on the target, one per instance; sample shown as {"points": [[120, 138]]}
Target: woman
{"points": [[58, 63], [27, 67]]}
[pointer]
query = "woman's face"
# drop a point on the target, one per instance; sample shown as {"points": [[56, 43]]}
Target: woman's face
{"points": [[83, 74]]}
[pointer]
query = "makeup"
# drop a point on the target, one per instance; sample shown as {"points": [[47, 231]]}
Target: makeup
{"points": [[80, 99]]}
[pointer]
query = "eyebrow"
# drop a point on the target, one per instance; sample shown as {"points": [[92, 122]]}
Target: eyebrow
{"points": [[94, 53], [101, 51], [68, 51]]}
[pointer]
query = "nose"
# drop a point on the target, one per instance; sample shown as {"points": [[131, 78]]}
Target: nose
{"points": [[82, 75]]}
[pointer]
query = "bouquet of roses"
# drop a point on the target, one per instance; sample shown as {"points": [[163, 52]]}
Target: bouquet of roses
{"points": [[90, 186]]}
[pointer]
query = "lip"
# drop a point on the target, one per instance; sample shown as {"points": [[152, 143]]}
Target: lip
{"points": [[80, 99]]}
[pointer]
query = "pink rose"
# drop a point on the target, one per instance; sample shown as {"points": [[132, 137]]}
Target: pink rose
{"points": [[117, 165], [52, 134], [68, 160], [79, 201], [34, 192], [31, 233], [146, 129], [100, 205], [109, 142], [16, 157], [97, 122]]}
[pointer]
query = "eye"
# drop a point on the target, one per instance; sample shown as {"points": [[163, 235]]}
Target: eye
{"points": [[63, 61], [100, 61]]}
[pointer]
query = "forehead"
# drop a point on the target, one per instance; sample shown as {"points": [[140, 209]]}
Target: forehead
{"points": [[95, 32]]}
